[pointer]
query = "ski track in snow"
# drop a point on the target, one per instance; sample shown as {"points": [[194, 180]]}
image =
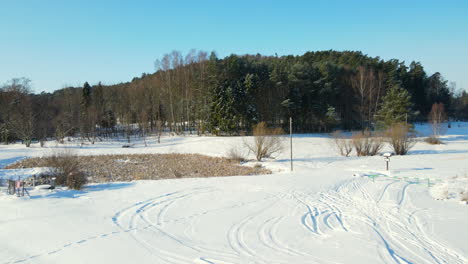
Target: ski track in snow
{"points": [[316, 218], [256, 237]]}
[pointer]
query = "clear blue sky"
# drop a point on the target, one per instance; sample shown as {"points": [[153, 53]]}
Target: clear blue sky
{"points": [[58, 43]]}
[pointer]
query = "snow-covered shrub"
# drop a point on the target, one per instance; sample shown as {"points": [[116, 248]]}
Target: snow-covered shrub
{"points": [[342, 143], [236, 154], [367, 144], [376, 144], [360, 144], [67, 170], [400, 138], [76, 179], [266, 141]]}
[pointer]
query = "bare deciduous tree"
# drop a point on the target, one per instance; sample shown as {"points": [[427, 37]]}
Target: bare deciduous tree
{"points": [[369, 87], [266, 141], [21, 117], [437, 117]]}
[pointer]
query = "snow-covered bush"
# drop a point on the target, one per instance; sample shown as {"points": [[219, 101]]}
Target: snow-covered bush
{"points": [[76, 179], [67, 170], [401, 138], [342, 143], [367, 144], [266, 141], [236, 154], [377, 143]]}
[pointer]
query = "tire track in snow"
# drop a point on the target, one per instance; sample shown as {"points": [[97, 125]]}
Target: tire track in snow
{"points": [[403, 194], [383, 216], [122, 212], [235, 236], [166, 256], [267, 237], [385, 190], [334, 211], [223, 255], [231, 256], [420, 240], [385, 220], [170, 255], [94, 237], [309, 214], [326, 220]]}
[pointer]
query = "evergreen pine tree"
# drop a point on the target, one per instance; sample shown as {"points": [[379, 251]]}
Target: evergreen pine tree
{"points": [[416, 86], [85, 104], [395, 107], [216, 95], [86, 96], [248, 102]]}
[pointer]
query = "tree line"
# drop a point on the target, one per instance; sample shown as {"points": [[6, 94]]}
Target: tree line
{"points": [[201, 93]]}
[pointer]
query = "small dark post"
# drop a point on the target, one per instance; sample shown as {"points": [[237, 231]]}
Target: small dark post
{"points": [[387, 158]]}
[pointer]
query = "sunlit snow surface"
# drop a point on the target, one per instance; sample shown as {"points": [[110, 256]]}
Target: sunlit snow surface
{"points": [[320, 213]]}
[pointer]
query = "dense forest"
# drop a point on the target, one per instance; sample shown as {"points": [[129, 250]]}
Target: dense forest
{"points": [[201, 93]]}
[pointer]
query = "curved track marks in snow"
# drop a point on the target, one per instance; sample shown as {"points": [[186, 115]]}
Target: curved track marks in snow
{"points": [[394, 220], [137, 218], [352, 212], [289, 226]]}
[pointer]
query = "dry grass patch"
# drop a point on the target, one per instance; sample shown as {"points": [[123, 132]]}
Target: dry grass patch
{"points": [[106, 168]]}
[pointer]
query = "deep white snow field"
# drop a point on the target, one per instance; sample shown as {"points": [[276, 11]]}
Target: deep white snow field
{"points": [[320, 213]]}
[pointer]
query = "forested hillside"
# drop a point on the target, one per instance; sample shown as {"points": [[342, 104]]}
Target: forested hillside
{"points": [[202, 93]]}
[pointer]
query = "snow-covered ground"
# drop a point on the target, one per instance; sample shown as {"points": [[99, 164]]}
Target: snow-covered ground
{"points": [[320, 213]]}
